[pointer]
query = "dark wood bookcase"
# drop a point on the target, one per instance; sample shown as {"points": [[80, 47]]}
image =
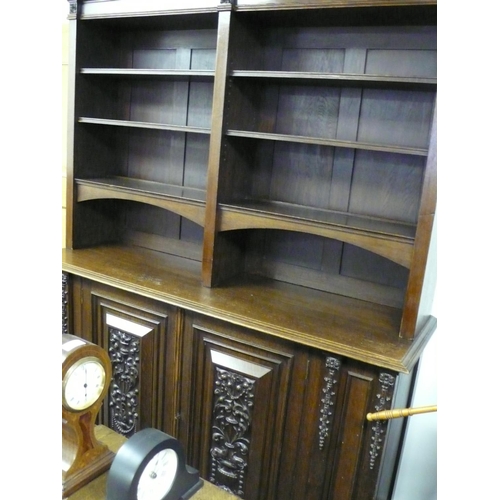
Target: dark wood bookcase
{"points": [[261, 176]]}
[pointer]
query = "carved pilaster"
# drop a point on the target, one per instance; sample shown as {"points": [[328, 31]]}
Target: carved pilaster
{"points": [[232, 416], [379, 427], [124, 352], [72, 9], [329, 398], [65, 295]]}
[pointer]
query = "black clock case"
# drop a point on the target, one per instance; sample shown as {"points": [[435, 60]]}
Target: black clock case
{"points": [[132, 458]]}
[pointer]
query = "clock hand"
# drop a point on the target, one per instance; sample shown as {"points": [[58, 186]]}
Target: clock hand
{"points": [[85, 384], [153, 473]]}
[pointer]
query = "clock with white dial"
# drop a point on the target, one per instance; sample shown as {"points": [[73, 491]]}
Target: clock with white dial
{"points": [[86, 376], [83, 384], [157, 478], [151, 466]]}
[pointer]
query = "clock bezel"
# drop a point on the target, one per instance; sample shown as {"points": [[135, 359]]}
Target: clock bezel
{"points": [[68, 374]]}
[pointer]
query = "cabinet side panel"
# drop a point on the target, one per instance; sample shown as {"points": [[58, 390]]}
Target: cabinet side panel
{"points": [[396, 429]]}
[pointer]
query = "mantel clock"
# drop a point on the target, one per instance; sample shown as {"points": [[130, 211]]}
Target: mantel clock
{"points": [[86, 374]]}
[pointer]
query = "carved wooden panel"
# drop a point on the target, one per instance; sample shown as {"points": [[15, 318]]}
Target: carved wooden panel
{"points": [[329, 398], [236, 395], [139, 336], [65, 303]]}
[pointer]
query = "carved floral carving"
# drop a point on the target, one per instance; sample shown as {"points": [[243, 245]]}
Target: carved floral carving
{"points": [[65, 303], [329, 399], [379, 426], [124, 352], [232, 416]]}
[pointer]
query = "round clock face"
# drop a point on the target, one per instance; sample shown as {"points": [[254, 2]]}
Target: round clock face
{"points": [[158, 476], [83, 384]]}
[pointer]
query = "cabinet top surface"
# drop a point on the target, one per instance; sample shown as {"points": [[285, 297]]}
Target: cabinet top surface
{"points": [[350, 327]]}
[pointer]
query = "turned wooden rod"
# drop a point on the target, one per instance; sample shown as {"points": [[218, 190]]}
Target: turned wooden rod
{"points": [[398, 413]]}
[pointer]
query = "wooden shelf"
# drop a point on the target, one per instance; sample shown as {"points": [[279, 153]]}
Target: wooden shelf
{"points": [[315, 78], [146, 125], [135, 72], [185, 201], [390, 239], [326, 142]]}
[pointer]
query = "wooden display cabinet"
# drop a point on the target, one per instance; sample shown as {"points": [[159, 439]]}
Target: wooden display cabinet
{"points": [[251, 199]]}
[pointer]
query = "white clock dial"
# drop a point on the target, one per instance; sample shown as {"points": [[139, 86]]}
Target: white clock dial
{"points": [[83, 384], [158, 476]]}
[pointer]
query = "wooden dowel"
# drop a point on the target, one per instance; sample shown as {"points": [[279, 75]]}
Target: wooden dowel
{"points": [[398, 413]]}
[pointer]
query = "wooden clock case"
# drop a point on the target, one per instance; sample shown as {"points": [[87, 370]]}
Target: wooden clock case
{"points": [[83, 456]]}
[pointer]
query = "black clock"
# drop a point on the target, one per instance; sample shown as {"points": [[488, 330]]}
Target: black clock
{"points": [[151, 465]]}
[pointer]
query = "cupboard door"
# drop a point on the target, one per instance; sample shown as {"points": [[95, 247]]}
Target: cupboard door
{"points": [[139, 335], [235, 389], [341, 455]]}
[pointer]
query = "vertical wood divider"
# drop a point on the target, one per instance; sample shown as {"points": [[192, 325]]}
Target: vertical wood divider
{"points": [[216, 137], [412, 312]]}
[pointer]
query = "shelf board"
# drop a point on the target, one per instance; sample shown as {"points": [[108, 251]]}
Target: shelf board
{"points": [[326, 142], [185, 201], [337, 78], [139, 72], [147, 125], [349, 327], [391, 239]]}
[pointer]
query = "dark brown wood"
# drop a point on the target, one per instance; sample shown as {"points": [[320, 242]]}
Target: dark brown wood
{"points": [[419, 294], [209, 264], [239, 390], [251, 200], [141, 338], [322, 399], [268, 187], [147, 95], [143, 93], [350, 327]]}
